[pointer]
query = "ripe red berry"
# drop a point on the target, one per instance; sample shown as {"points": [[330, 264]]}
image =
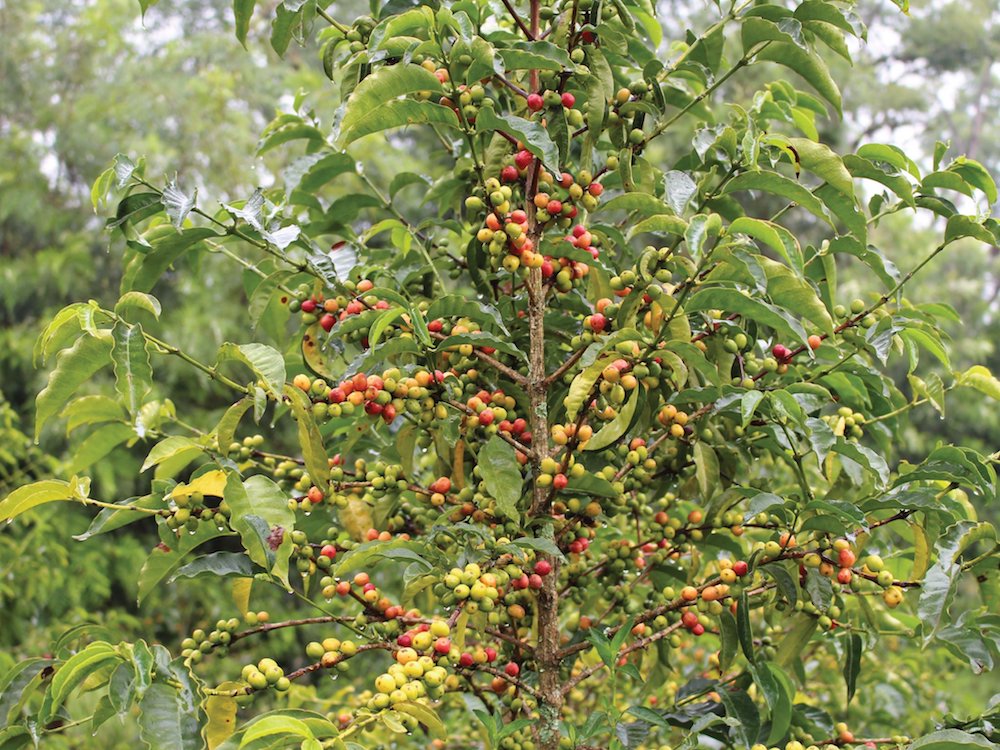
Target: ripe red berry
{"points": [[559, 481], [523, 158], [535, 102], [509, 173], [491, 653], [543, 567], [568, 100], [405, 640], [534, 581], [781, 352], [327, 322], [554, 207], [512, 669], [309, 306], [698, 629], [846, 558], [329, 551], [435, 326], [486, 417], [595, 189], [466, 659], [815, 342], [740, 568], [442, 645], [598, 322]]}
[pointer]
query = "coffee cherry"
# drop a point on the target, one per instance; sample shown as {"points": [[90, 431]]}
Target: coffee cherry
{"points": [[535, 102]]}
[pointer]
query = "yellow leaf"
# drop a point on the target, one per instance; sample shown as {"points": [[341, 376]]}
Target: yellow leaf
{"points": [[221, 712], [241, 594], [356, 518], [210, 484]]}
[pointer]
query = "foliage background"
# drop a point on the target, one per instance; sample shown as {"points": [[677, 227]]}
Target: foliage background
{"points": [[82, 81]]}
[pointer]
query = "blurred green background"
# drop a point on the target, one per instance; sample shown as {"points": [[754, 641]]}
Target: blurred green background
{"points": [[81, 81]]}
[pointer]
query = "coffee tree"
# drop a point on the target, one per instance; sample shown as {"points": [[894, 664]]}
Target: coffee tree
{"points": [[590, 453]]}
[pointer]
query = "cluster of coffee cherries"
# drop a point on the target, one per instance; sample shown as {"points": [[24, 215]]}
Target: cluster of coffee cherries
{"points": [[332, 653], [199, 643], [189, 511], [266, 674], [420, 666], [361, 391], [478, 589], [495, 411], [328, 311], [243, 450], [674, 420], [553, 100], [846, 422]]}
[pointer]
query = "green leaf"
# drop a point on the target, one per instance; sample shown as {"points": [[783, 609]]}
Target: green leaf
{"points": [[63, 327], [259, 497], [14, 685], [659, 224], [941, 581], [982, 380], [382, 323], [534, 137], [740, 706], [729, 639], [583, 384], [706, 467], [772, 182], [733, 301], [269, 726], [169, 448], [794, 293], [99, 444], [143, 270], [133, 372], [952, 739], [497, 462], [110, 519], [806, 64], [265, 362], [774, 236], [643, 204], [166, 719], [139, 301], [542, 55], [74, 671], [219, 564], [310, 439], [743, 629], [225, 431], [617, 427], [74, 367], [977, 175], [458, 306], [823, 162], [165, 559], [38, 493], [374, 105], [852, 663], [778, 692], [425, 715], [965, 226], [243, 12]]}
